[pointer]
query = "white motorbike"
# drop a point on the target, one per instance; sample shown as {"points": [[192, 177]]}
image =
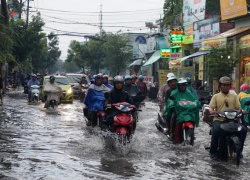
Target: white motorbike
{"points": [[53, 99], [35, 94]]}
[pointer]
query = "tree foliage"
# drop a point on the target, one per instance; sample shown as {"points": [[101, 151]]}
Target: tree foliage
{"points": [[221, 61], [172, 9], [109, 51]]}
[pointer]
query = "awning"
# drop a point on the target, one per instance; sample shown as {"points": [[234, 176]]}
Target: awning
{"points": [[232, 32], [136, 63], [155, 57], [199, 53]]}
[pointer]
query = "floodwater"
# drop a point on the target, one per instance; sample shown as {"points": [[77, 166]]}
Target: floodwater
{"points": [[36, 145]]}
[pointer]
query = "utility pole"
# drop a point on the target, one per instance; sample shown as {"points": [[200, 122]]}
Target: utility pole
{"points": [[28, 10], [20, 9], [101, 20]]}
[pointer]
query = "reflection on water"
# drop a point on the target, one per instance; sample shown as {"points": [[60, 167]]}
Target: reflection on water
{"points": [[34, 145]]}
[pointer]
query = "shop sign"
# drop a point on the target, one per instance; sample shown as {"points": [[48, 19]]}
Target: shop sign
{"points": [[232, 8], [205, 29], [193, 10], [209, 43], [175, 56], [151, 44], [188, 35], [245, 42]]}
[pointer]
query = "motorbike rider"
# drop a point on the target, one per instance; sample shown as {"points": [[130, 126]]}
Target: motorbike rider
{"points": [[116, 95], [134, 79], [133, 91], [220, 102], [172, 85], [83, 80], [95, 100], [162, 93], [244, 97], [33, 81], [52, 91], [106, 82], [177, 95], [142, 86]]}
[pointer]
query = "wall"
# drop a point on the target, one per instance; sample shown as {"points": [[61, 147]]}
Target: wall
{"points": [[245, 21]]}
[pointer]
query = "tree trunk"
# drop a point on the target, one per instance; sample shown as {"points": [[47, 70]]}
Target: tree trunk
{"points": [[5, 12]]}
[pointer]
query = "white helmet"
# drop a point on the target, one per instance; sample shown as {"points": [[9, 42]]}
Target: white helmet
{"points": [[171, 77], [182, 81], [170, 74]]}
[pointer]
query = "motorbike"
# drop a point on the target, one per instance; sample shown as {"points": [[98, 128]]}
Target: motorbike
{"points": [[52, 101], [232, 125], [124, 122], [35, 93], [181, 128]]}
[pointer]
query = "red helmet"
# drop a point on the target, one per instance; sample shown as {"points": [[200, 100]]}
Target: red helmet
{"points": [[244, 87]]}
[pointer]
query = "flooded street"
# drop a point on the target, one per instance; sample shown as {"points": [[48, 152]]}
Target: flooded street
{"points": [[35, 145]]}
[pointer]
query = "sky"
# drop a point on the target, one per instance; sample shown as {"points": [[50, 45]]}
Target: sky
{"points": [[83, 17]]}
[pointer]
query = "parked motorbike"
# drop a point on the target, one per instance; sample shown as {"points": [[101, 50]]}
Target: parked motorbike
{"points": [[35, 93]]}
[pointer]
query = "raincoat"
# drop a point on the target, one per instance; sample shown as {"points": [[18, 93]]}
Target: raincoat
{"points": [[244, 97], [95, 99], [186, 106], [53, 91]]}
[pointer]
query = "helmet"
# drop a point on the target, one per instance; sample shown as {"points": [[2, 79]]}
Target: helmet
{"points": [[134, 76], [182, 81], [33, 75], [98, 76], [105, 76], [52, 78], [118, 79], [244, 87], [128, 77], [170, 74], [225, 80], [171, 77], [141, 77], [188, 79]]}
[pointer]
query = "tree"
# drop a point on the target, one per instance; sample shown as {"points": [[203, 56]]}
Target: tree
{"points": [[53, 51], [117, 53], [221, 61], [172, 9]]}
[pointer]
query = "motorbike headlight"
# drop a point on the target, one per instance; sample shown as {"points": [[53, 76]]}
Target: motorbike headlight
{"points": [[69, 91], [230, 115]]}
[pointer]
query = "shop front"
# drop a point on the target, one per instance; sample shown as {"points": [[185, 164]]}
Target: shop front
{"points": [[244, 45]]}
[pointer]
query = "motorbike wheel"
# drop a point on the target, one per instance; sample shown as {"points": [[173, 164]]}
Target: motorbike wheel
{"points": [[236, 147], [189, 139]]}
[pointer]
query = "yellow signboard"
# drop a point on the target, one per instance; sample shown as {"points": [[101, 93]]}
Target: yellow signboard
{"points": [[245, 42], [201, 67], [232, 8], [188, 38], [208, 43]]}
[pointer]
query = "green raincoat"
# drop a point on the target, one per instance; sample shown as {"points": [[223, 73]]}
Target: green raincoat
{"points": [[245, 107], [185, 105]]}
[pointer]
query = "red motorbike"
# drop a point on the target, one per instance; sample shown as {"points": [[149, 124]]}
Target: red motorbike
{"points": [[124, 122]]}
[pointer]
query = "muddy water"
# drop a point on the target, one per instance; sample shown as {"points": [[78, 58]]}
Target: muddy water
{"points": [[35, 145]]}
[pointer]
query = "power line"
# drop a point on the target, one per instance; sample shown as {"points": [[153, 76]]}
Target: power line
{"points": [[93, 12]]}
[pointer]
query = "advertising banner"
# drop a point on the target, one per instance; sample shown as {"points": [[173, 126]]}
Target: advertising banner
{"points": [[205, 29], [188, 35], [218, 42], [232, 8], [193, 10], [174, 56], [245, 42]]}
